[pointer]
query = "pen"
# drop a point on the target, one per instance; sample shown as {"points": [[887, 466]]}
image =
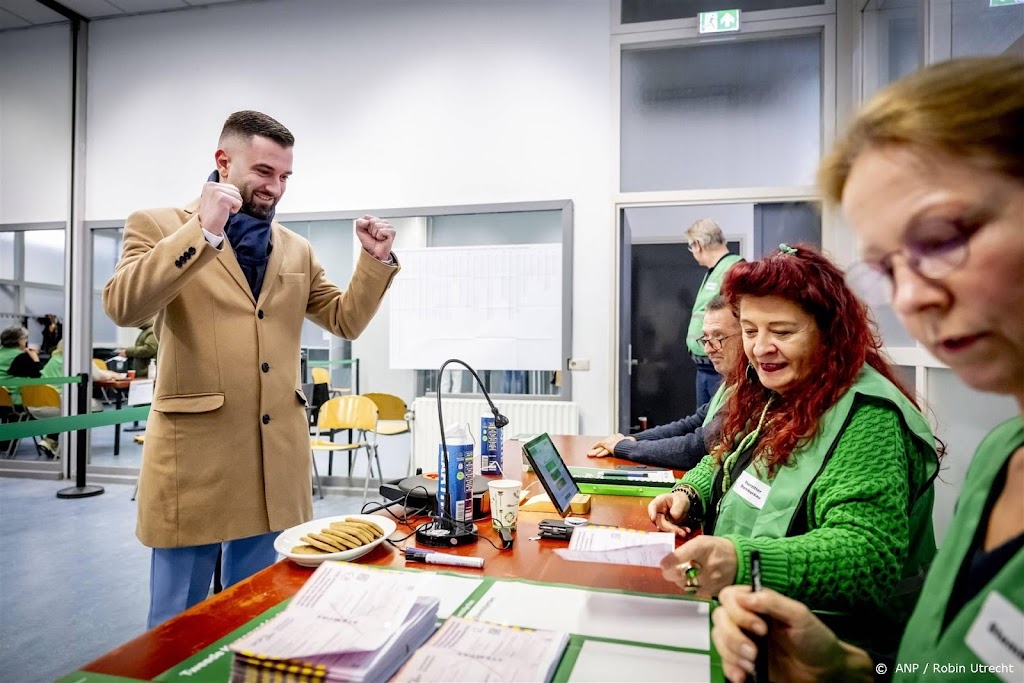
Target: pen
{"points": [[761, 662], [434, 557]]}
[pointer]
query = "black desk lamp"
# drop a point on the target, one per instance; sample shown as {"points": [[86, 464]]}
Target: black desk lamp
{"points": [[443, 530]]}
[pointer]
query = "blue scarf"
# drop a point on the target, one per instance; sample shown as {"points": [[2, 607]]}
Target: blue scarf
{"points": [[250, 238]]}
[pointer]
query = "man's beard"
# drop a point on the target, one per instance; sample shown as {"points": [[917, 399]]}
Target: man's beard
{"points": [[251, 208]]}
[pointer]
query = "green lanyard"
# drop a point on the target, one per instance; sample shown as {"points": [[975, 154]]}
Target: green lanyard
{"points": [[745, 443]]}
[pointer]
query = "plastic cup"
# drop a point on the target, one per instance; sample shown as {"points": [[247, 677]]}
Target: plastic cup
{"points": [[504, 494], [131, 374]]}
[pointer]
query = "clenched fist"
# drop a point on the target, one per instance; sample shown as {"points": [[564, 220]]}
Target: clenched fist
{"points": [[218, 202], [376, 235]]}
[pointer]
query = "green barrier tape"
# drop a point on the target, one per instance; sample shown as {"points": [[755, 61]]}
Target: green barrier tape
{"points": [[53, 425], [15, 382], [325, 363]]}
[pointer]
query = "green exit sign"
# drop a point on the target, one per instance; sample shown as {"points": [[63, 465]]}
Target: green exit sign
{"points": [[719, 22], [1000, 3]]}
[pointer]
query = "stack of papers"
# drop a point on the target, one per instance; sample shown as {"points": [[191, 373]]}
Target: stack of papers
{"points": [[468, 650], [347, 623], [614, 545]]}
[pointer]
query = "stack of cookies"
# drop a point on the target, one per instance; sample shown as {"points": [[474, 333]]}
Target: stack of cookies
{"points": [[338, 537]]}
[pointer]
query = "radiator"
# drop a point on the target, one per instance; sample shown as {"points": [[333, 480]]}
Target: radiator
{"points": [[529, 417]]}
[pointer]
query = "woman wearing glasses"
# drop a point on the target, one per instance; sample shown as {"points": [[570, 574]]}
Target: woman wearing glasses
{"points": [[824, 464], [931, 178]]}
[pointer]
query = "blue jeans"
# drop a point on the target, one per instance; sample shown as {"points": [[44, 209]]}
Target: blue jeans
{"points": [[180, 577], [707, 383]]}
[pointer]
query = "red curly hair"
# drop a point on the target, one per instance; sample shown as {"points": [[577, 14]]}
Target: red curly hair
{"points": [[811, 281]]}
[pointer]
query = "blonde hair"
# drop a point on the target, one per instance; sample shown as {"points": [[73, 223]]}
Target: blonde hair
{"points": [[705, 232], [970, 109]]}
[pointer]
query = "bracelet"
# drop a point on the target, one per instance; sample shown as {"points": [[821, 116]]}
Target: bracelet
{"points": [[696, 512]]}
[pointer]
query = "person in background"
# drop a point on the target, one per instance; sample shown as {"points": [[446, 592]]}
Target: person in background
{"points": [[681, 444], [824, 464], [55, 368], [707, 245], [53, 331], [18, 359], [143, 351], [931, 179], [226, 461]]}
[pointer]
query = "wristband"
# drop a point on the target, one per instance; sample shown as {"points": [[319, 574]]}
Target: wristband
{"points": [[696, 511]]}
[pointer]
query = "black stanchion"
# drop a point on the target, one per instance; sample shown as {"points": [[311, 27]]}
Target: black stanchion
{"points": [[80, 490]]}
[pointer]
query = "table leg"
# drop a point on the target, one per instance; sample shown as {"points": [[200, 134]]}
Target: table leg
{"points": [[117, 427]]}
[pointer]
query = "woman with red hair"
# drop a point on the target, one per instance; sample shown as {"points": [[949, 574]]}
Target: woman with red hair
{"points": [[824, 465]]}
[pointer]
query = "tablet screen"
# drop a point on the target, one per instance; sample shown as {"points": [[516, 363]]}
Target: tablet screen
{"points": [[551, 470]]}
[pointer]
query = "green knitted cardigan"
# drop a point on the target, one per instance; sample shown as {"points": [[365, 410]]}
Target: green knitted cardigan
{"points": [[857, 508]]}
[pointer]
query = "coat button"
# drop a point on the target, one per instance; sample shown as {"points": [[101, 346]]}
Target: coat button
{"points": [[266, 419], [266, 367], [178, 263], [191, 251], [260, 314]]}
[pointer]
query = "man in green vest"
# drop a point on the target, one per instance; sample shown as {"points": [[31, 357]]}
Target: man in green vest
{"points": [[707, 244]]}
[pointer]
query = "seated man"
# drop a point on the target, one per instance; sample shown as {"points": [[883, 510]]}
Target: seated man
{"points": [[681, 444]]}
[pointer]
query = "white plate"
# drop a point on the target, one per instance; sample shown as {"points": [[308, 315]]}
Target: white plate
{"points": [[289, 538]]}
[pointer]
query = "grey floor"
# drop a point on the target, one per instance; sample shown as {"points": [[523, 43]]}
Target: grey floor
{"points": [[74, 579]]}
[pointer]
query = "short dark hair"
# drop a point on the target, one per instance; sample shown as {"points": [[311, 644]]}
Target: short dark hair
{"points": [[717, 304], [246, 124]]}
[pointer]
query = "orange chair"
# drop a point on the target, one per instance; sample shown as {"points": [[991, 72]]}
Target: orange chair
{"points": [[348, 412], [42, 401], [17, 414]]}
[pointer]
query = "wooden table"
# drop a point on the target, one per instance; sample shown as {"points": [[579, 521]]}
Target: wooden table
{"points": [[172, 642]]}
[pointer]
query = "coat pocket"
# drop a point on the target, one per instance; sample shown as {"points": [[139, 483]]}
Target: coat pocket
{"points": [[301, 396], [293, 278], [188, 403]]}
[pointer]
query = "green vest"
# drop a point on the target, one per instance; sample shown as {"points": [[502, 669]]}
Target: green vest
{"points": [[709, 288], [717, 401], [925, 644], [791, 484], [7, 356]]}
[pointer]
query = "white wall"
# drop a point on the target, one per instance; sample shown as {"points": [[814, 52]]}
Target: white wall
{"points": [[393, 103], [35, 124]]}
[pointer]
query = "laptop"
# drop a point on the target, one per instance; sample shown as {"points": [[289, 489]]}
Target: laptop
{"points": [[562, 482]]}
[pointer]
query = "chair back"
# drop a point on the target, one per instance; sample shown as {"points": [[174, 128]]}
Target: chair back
{"points": [[389, 406], [348, 412], [100, 364], [321, 375], [5, 398], [40, 396]]}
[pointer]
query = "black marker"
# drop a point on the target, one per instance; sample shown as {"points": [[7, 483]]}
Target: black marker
{"points": [[760, 642]]}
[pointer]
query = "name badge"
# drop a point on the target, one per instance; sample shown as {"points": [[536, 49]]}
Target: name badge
{"points": [[997, 637], [711, 286], [752, 490]]}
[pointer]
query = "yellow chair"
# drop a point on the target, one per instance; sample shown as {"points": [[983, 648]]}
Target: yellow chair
{"points": [[103, 392], [17, 414], [348, 412], [393, 417], [323, 376], [41, 401]]}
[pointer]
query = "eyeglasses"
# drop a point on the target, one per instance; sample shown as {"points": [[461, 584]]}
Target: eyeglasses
{"points": [[690, 247], [715, 343], [938, 248]]}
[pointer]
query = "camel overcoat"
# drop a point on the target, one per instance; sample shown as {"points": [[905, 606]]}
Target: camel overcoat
{"points": [[227, 454]]}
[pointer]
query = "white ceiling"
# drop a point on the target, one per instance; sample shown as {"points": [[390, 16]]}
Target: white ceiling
{"points": [[21, 13]]}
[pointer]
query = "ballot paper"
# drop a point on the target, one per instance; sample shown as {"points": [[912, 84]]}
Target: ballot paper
{"points": [[470, 651], [614, 545], [341, 608]]}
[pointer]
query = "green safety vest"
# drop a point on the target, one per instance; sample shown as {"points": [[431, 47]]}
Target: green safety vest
{"points": [[790, 486], [709, 288], [7, 356], [993, 620], [717, 401]]}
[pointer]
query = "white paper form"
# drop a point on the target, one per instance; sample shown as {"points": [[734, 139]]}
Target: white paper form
{"points": [[643, 619], [472, 651], [341, 608], [452, 591], [611, 545], [601, 662]]}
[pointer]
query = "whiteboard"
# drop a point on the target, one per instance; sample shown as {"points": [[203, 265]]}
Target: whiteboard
{"points": [[495, 307]]}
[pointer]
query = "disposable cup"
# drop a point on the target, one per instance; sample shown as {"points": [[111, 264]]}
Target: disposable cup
{"points": [[504, 495]]}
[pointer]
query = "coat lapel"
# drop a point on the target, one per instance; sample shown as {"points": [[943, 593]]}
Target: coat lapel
{"points": [[227, 259], [274, 264]]}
